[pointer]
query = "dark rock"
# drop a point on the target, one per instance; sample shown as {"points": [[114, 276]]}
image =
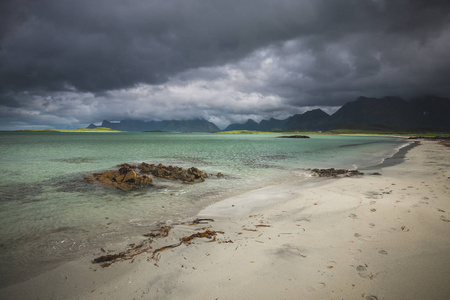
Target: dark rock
{"points": [[294, 137], [128, 166], [145, 168], [173, 173], [194, 175], [125, 179], [332, 172]]}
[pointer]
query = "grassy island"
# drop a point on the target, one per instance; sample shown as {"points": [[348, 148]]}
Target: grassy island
{"points": [[98, 129]]}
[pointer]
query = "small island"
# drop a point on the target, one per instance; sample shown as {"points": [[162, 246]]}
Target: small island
{"points": [[98, 129], [294, 137]]}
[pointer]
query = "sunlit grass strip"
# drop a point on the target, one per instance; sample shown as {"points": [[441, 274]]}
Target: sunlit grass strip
{"points": [[98, 129], [405, 133]]}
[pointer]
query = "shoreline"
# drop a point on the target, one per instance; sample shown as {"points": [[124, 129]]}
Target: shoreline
{"points": [[136, 224], [313, 246], [395, 159]]}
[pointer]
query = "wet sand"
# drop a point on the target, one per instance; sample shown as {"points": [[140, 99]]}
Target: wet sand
{"points": [[372, 237]]}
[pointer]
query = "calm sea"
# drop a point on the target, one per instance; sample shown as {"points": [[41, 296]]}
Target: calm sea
{"points": [[49, 215]]}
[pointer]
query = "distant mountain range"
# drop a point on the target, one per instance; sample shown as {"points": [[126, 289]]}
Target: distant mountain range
{"points": [[196, 125], [388, 112]]}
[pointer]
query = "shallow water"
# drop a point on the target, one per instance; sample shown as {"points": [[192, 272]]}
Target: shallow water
{"points": [[49, 215]]}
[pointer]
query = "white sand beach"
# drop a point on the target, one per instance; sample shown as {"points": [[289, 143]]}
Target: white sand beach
{"points": [[368, 237]]}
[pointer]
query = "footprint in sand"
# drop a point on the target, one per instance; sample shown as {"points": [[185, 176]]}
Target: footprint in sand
{"points": [[371, 297], [317, 286], [354, 251], [373, 195], [362, 271], [443, 218], [383, 252], [353, 216], [373, 210], [331, 264], [362, 238]]}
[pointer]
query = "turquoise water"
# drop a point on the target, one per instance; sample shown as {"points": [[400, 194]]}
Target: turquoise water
{"points": [[49, 215]]}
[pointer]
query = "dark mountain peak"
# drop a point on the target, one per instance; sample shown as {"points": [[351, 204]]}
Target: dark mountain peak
{"points": [[315, 119], [360, 98], [394, 112], [364, 108], [316, 113], [92, 126], [273, 120], [249, 125], [272, 125], [391, 111]]}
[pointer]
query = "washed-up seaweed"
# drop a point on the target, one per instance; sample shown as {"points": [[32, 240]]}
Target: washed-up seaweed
{"points": [[159, 250], [210, 234], [133, 249], [128, 254], [136, 249]]}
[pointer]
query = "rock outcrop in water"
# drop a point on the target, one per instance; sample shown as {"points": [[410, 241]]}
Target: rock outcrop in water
{"points": [[335, 172], [173, 173], [126, 178], [294, 137]]}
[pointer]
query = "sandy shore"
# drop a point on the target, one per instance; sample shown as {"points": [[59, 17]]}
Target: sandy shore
{"points": [[373, 237]]}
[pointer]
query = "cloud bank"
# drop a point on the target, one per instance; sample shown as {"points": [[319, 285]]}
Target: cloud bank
{"points": [[70, 63]]}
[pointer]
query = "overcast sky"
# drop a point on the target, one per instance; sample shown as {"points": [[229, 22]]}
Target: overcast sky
{"points": [[74, 62]]}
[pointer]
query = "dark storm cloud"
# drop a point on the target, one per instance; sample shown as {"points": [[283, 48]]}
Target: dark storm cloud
{"points": [[60, 55], [100, 45]]}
